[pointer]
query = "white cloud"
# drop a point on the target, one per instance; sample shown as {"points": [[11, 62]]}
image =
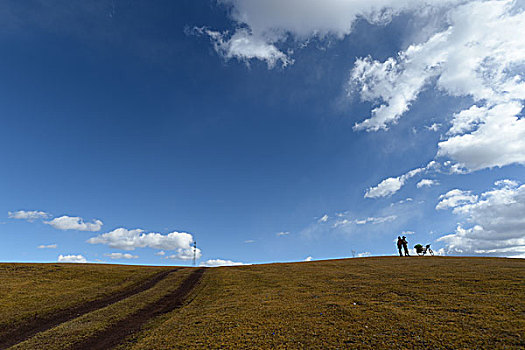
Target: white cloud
{"points": [[493, 222], [397, 81], [349, 223], [324, 218], [402, 201], [342, 222], [391, 185], [248, 241], [440, 252], [427, 183], [263, 26], [244, 46], [121, 238], [433, 127], [455, 198], [184, 254], [506, 183], [375, 220], [71, 258], [457, 168], [48, 246], [75, 223], [121, 256], [280, 234], [364, 254], [383, 81], [308, 259], [368, 220], [387, 187], [471, 49], [161, 253], [480, 55], [404, 233], [466, 120], [498, 138], [220, 262], [30, 215]]}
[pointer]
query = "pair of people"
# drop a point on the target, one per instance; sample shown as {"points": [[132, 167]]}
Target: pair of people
{"points": [[402, 243]]}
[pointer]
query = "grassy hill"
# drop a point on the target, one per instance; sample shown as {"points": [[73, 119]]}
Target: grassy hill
{"points": [[383, 302]]}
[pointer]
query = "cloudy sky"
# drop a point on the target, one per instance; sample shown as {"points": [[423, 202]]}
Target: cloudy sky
{"points": [[276, 130]]}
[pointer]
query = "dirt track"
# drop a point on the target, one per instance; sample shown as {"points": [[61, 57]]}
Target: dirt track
{"points": [[117, 333], [40, 324]]}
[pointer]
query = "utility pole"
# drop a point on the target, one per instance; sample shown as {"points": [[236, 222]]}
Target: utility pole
{"points": [[194, 252]]}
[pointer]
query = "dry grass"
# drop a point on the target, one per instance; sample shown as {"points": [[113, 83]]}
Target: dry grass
{"points": [[374, 303], [441, 303], [28, 291], [69, 334]]}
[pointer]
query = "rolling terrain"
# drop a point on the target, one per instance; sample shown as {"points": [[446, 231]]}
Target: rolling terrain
{"points": [[378, 302]]}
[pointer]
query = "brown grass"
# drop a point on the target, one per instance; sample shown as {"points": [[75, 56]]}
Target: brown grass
{"points": [[29, 291], [366, 303], [71, 334], [440, 303]]}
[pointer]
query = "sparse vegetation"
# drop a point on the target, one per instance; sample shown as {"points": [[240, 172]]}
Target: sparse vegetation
{"points": [[71, 334], [375, 303], [370, 303], [38, 291]]}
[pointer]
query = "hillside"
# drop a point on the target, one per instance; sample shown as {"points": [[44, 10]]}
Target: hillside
{"points": [[383, 302]]}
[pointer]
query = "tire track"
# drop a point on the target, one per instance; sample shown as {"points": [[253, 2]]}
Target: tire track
{"points": [[117, 333], [43, 323]]}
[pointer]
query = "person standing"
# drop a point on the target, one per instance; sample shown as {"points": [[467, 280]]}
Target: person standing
{"points": [[399, 245], [405, 246]]}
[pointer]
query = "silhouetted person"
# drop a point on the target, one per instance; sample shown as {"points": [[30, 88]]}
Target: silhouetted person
{"points": [[405, 246], [399, 245]]}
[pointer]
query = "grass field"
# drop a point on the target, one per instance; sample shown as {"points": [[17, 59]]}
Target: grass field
{"points": [[32, 292], [384, 302]]}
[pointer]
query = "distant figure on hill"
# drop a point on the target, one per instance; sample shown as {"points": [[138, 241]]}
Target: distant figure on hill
{"points": [[405, 245], [399, 245]]}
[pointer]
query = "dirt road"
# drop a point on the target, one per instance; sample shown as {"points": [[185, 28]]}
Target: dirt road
{"points": [[14, 336], [118, 332]]}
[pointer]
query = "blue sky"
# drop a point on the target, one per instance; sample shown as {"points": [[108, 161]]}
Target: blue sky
{"points": [[266, 131]]}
